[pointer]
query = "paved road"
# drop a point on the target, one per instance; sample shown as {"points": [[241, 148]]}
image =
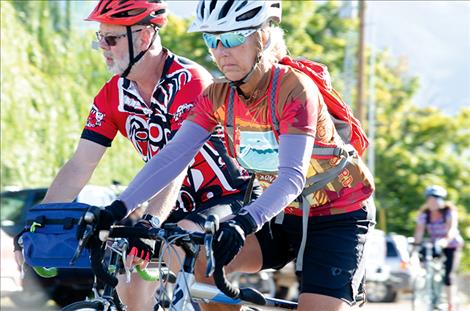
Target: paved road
{"points": [[401, 305], [6, 305]]}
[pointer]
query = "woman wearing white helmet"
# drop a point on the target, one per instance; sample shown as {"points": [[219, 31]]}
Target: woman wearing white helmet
{"points": [[272, 230], [438, 218], [243, 16]]}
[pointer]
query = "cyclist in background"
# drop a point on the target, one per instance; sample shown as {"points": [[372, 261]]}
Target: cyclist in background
{"points": [[439, 218], [146, 100], [247, 46]]}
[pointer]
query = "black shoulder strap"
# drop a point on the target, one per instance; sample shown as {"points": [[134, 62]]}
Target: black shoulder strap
{"points": [[444, 212], [428, 216]]}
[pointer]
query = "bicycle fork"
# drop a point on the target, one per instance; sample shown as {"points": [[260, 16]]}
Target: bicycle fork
{"points": [[181, 294]]}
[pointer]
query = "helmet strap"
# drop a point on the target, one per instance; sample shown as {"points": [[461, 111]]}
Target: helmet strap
{"points": [[236, 84], [132, 60]]}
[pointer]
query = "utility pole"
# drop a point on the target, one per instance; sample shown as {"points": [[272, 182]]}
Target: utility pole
{"points": [[349, 11], [371, 113], [360, 62]]}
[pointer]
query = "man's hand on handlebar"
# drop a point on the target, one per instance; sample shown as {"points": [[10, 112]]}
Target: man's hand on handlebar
{"points": [[101, 218]]}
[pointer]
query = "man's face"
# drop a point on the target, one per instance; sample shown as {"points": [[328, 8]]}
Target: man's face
{"points": [[116, 56]]}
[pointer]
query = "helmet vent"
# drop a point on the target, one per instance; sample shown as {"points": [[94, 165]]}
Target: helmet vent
{"points": [[159, 12], [129, 13], [241, 6], [124, 4], [212, 5], [248, 15], [106, 8], [203, 6], [227, 6], [276, 5]]}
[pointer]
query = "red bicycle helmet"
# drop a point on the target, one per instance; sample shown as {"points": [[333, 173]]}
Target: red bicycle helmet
{"points": [[130, 12]]}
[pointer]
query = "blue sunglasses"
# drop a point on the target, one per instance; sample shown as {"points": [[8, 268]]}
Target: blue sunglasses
{"points": [[228, 39]]}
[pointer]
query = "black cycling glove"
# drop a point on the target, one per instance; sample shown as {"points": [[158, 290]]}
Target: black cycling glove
{"points": [[104, 218], [142, 248], [230, 238]]}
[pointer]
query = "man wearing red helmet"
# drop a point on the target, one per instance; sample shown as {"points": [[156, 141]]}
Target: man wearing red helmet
{"points": [[146, 101]]}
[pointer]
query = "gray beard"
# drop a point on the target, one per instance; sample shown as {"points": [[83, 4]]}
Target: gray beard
{"points": [[118, 68]]}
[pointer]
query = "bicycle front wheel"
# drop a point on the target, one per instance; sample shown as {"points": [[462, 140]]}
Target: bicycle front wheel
{"points": [[84, 306]]}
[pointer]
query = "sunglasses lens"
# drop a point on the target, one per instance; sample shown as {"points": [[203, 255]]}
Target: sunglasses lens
{"points": [[210, 40], [232, 39], [228, 39], [110, 40]]}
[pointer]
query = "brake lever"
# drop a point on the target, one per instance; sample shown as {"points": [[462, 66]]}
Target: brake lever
{"points": [[210, 228], [81, 243], [209, 254], [123, 245]]}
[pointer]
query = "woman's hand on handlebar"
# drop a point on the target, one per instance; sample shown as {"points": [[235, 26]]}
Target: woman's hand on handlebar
{"points": [[230, 238]]}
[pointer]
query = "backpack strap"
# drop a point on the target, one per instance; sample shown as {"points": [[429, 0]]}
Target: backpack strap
{"points": [[273, 99], [318, 181], [230, 123], [305, 213]]}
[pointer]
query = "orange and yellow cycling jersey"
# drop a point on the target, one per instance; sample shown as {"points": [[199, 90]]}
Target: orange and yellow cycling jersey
{"points": [[301, 111]]}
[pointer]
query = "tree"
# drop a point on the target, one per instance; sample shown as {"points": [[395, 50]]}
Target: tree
{"points": [[48, 77]]}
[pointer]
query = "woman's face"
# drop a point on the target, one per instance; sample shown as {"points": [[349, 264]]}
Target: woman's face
{"points": [[236, 62], [434, 203]]}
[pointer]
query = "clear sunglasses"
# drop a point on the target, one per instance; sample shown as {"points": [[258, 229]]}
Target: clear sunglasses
{"points": [[228, 39]]}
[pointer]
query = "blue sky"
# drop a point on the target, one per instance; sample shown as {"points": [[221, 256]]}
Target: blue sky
{"points": [[434, 36]]}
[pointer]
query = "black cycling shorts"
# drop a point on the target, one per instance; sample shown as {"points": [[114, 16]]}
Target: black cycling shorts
{"points": [[332, 263]]}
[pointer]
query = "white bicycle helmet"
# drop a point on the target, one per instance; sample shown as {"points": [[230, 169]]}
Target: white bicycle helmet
{"points": [[229, 15], [435, 191]]}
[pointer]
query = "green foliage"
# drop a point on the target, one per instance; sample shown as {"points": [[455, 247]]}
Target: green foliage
{"points": [[417, 147], [49, 76], [175, 37]]}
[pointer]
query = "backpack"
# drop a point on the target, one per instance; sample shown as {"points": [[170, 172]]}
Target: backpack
{"points": [[347, 126]]}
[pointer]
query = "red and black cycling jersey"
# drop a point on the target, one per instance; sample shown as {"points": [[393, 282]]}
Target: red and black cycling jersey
{"points": [[119, 107]]}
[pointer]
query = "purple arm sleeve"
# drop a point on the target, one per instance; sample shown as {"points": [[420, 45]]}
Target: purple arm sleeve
{"points": [[294, 158], [166, 165]]}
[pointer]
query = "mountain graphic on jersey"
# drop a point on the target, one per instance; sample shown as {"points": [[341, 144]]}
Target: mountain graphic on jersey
{"points": [[259, 151]]}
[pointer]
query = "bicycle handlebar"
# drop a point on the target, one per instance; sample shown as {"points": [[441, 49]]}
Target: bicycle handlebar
{"points": [[168, 231], [187, 242], [246, 294]]}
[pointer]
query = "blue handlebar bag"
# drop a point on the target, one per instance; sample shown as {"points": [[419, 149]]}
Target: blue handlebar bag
{"points": [[51, 239]]}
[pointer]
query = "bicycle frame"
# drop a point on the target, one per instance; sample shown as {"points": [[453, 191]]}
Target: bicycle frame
{"points": [[188, 290], [430, 293]]}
